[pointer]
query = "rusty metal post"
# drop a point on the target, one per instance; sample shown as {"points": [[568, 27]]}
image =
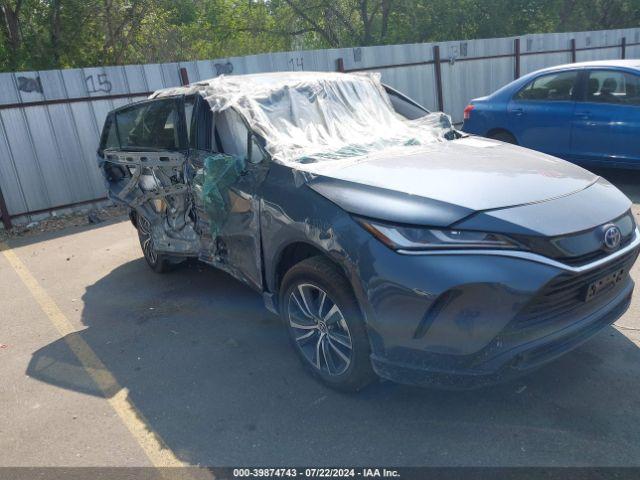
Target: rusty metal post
{"points": [[438, 73], [340, 65], [573, 50], [184, 76], [516, 53]]}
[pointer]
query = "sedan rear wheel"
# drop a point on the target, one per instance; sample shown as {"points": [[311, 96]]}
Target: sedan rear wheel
{"points": [[504, 136]]}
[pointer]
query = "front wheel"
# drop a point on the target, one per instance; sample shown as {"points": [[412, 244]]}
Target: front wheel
{"points": [[325, 324]]}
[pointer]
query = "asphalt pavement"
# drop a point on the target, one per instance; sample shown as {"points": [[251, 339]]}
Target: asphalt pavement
{"points": [[105, 363]]}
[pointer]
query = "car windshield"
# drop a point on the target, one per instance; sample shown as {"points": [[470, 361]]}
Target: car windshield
{"points": [[312, 119]]}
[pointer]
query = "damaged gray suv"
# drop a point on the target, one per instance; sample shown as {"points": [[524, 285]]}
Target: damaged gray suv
{"points": [[391, 244]]}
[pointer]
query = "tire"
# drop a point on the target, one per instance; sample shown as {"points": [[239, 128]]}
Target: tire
{"points": [[504, 137], [158, 262], [325, 326]]}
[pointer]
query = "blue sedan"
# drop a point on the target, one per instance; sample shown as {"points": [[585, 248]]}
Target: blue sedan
{"points": [[587, 113]]}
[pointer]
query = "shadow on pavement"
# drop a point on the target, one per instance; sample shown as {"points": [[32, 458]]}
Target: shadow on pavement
{"points": [[212, 372]]}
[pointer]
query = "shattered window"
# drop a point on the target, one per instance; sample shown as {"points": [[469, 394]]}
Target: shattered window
{"points": [[234, 137], [189, 108], [112, 138], [109, 135], [149, 125]]}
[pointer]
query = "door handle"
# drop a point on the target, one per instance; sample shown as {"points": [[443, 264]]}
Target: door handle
{"points": [[518, 112], [585, 114]]}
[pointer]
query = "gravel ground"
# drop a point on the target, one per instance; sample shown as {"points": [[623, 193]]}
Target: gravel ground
{"points": [[57, 223]]}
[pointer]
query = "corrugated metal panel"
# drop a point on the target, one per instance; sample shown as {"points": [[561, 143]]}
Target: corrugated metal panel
{"points": [[417, 82], [75, 164], [8, 92], [57, 175], [47, 151], [531, 63], [9, 177], [206, 69], [26, 164], [134, 76], [153, 76]]}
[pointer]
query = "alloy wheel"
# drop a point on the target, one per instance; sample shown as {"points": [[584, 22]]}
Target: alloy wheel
{"points": [[319, 329], [146, 240]]}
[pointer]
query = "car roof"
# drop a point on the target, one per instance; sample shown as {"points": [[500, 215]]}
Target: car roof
{"points": [[631, 64], [634, 64], [271, 80], [267, 80]]}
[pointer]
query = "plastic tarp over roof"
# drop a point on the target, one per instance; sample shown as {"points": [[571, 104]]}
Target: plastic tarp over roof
{"points": [[313, 119]]}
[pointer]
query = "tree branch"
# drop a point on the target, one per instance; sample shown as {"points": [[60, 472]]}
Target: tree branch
{"points": [[316, 27]]}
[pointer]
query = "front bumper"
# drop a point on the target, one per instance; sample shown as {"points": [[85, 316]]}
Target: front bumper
{"points": [[509, 364], [467, 320]]}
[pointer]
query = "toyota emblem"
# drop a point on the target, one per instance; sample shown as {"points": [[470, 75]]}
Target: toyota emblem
{"points": [[612, 237]]}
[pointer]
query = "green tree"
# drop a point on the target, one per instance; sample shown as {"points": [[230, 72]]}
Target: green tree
{"points": [[41, 34]]}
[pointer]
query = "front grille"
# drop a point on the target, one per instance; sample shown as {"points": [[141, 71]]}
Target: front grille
{"points": [[592, 256], [579, 248], [563, 298]]}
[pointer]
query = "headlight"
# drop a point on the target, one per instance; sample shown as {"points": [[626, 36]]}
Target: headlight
{"points": [[416, 238]]}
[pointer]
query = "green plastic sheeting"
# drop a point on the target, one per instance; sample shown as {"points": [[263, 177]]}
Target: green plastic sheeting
{"points": [[213, 181]]}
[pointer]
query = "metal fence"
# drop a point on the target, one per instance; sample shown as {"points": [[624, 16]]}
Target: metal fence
{"points": [[50, 121]]}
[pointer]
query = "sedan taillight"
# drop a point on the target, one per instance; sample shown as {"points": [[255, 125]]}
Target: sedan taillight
{"points": [[467, 111]]}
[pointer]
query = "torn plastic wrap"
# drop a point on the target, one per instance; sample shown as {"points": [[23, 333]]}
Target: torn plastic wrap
{"points": [[319, 121], [211, 187]]}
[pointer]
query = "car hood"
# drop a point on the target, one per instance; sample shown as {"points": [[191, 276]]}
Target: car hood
{"points": [[451, 179]]}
